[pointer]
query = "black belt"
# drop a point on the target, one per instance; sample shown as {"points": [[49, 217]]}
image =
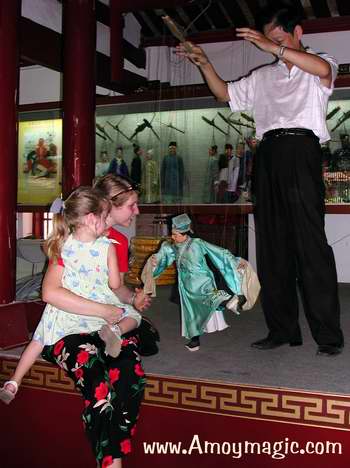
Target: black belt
{"points": [[279, 132]]}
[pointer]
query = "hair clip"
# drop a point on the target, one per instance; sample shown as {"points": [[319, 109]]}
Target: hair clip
{"points": [[131, 188], [57, 206]]}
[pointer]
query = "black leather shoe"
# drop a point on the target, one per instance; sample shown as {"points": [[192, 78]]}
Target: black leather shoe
{"points": [[193, 345], [268, 343], [329, 350]]}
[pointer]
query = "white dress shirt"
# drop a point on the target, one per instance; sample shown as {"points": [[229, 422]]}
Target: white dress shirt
{"points": [[279, 98]]}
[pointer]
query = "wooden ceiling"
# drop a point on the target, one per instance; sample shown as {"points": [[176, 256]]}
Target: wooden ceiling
{"points": [[206, 18], [203, 21]]}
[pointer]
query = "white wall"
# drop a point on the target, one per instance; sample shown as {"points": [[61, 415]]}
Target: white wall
{"points": [[235, 59], [337, 228], [39, 84]]}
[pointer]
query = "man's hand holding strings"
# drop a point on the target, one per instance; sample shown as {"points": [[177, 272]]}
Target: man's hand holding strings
{"points": [[197, 56]]}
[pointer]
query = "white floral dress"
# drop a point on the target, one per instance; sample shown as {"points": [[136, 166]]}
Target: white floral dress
{"points": [[85, 274]]}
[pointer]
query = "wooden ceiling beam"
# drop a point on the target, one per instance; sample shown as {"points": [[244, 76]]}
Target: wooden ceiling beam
{"points": [[312, 26], [49, 54], [127, 6]]}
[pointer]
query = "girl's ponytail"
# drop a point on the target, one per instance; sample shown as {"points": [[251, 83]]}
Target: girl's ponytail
{"points": [[56, 238]]}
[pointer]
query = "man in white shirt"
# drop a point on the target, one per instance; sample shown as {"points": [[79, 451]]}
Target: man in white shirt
{"points": [[288, 100]]}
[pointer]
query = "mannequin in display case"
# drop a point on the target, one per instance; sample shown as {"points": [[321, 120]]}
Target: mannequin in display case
{"points": [[150, 179], [172, 176], [211, 177], [118, 166], [136, 166]]}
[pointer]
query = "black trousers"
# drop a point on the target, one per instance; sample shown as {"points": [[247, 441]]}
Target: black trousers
{"points": [[292, 248]]}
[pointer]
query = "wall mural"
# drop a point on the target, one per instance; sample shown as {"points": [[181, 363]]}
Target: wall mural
{"points": [[39, 161]]}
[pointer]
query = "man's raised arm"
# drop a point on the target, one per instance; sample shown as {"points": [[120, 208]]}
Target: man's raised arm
{"points": [[216, 84]]}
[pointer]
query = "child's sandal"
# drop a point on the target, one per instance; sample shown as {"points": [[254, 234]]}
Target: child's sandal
{"points": [[7, 395]]}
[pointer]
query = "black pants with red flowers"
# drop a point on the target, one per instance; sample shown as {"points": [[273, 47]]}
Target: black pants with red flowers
{"points": [[111, 387]]}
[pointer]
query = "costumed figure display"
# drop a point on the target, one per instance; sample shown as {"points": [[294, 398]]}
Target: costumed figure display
{"points": [[118, 166], [242, 170], [228, 176], [150, 179], [102, 165], [337, 176], [202, 304], [211, 177], [341, 156], [249, 158], [136, 166], [172, 176]]}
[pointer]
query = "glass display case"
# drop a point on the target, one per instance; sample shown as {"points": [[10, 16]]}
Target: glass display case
{"points": [[184, 154], [177, 157], [336, 160], [176, 152]]}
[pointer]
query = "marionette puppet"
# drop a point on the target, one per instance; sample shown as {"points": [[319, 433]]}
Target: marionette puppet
{"points": [[136, 166], [172, 175], [118, 166], [202, 304], [211, 176], [150, 179], [102, 165]]}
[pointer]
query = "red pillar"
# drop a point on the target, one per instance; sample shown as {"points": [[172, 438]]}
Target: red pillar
{"points": [[116, 40], [38, 225], [9, 47], [79, 90]]}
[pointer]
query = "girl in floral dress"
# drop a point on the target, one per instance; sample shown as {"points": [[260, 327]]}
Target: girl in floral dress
{"points": [[105, 368]]}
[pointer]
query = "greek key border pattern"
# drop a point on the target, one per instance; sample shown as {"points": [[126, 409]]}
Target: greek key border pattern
{"points": [[272, 404]]}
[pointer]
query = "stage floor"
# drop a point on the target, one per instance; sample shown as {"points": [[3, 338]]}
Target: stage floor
{"points": [[227, 356]]}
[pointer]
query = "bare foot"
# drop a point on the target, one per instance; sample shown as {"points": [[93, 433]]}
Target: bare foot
{"points": [[112, 340], [8, 391]]}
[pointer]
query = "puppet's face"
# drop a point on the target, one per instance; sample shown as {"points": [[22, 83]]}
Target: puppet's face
{"points": [[172, 149], [228, 152], [239, 150], [177, 237], [252, 142]]}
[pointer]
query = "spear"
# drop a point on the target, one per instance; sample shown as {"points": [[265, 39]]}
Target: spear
{"points": [[140, 128], [101, 136], [116, 127], [342, 119], [103, 131], [170, 125], [211, 122], [229, 122], [247, 117], [332, 113], [240, 123], [149, 125]]}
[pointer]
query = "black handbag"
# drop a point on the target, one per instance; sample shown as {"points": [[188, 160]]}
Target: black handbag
{"points": [[148, 337]]}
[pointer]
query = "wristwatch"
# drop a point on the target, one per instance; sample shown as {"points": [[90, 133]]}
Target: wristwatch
{"points": [[281, 51]]}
